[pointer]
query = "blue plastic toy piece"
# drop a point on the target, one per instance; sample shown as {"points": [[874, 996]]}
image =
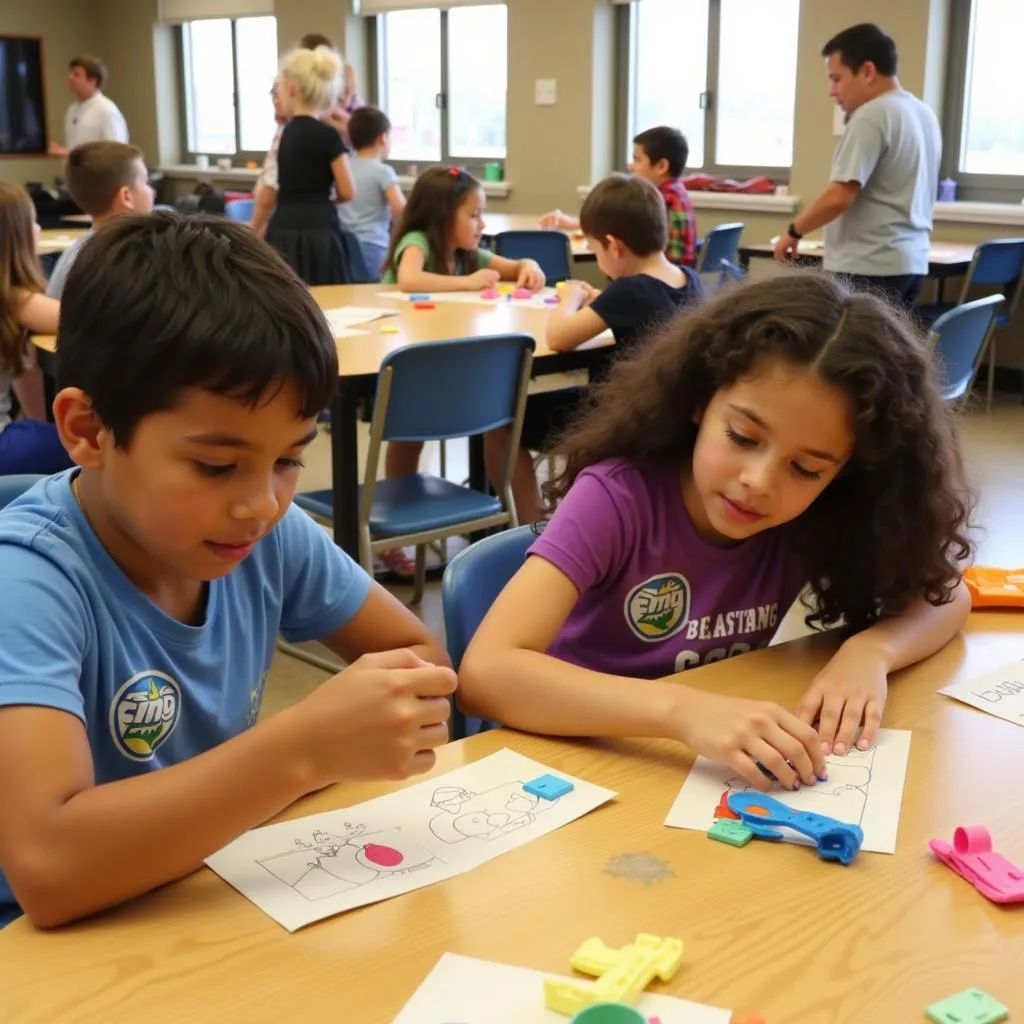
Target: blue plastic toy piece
{"points": [[548, 787], [836, 840], [419, 298]]}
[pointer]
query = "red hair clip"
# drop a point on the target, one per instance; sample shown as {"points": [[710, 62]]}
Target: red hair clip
{"points": [[455, 172]]}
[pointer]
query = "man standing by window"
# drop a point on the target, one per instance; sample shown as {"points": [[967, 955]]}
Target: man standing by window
{"points": [[92, 117], [878, 207]]}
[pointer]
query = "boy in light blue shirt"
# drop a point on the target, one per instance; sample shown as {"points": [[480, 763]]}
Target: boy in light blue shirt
{"points": [[145, 589], [379, 201]]}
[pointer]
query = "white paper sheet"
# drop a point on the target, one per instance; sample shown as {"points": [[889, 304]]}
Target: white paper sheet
{"points": [[345, 317], [864, 788], [471, 991], [476, 298], [304, 870], [1000, 692]]}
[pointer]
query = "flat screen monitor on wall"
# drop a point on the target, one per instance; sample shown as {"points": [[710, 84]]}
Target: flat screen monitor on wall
{"points": [[22, 109]]}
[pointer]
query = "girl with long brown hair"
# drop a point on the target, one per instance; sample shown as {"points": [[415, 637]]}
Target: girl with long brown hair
{"points": [[788, 434], [28, 444]]}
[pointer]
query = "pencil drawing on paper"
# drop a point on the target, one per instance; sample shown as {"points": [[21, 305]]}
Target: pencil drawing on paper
{"points": [[326, 865], [487, 815], [843, 796]]}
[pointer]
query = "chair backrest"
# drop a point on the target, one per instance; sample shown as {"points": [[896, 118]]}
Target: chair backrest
{"points": [[471, 582], [551, 249], [720, 243], [15, 485], [240, 209], [998, 263], [959, 337], [438, 390]]}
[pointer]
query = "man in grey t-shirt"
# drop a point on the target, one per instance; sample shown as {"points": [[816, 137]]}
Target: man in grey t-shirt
{"points": [[877, 209]]}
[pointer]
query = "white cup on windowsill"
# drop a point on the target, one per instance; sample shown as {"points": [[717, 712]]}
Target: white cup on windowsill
{"points": [[202, 161]]}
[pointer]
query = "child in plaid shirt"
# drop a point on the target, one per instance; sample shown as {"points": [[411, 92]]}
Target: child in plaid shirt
{"points": [[659, 156]]}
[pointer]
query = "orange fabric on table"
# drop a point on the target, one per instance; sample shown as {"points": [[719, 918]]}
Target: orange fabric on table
{"points": [[992, 587]]}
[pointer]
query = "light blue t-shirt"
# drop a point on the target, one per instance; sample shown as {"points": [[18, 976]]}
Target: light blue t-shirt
{"points": [[77, 635], [891, 146], [368, 215], [61, 269]]}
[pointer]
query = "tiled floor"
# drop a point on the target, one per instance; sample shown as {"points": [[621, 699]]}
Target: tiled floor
{"points": [[994, 445]]}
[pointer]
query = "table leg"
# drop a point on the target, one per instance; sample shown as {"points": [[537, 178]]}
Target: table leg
{"points": [[345, 468]]}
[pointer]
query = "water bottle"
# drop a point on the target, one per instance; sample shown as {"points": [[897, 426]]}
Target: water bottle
{"points": [[947, 190]]}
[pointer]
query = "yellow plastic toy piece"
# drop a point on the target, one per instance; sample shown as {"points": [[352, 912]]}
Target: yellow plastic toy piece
{"points": [[506, 289], [622, 974]]}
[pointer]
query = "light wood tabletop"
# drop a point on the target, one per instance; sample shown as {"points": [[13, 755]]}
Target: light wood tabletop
{"points": [[768, 929], [57, 240], [940, 254], [495, 223], [361, 355]]}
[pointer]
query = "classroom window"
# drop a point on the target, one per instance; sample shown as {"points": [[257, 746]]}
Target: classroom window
{"points": [[984, 129], [443, 81], [228, 68], [699, 65]]}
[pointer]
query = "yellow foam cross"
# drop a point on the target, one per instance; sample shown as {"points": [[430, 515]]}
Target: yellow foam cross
{"points": [[622, 974]]}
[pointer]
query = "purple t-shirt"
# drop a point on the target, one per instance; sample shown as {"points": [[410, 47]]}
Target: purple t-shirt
{"points": [[655, 597]]}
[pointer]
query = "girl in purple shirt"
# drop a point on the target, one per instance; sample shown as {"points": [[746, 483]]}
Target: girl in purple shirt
{"points": [[791, 433]]}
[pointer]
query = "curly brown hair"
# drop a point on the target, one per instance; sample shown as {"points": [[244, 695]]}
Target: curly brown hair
{"points": [[893, 525]]}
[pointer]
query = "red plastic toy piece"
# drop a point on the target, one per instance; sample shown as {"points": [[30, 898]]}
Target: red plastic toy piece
{"points": [[971, 856], [723, 810], [423, 305]]}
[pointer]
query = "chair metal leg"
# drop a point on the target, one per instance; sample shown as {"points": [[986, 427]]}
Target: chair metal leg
{"points": [[420, 579], [334, 667], [990, 387]]}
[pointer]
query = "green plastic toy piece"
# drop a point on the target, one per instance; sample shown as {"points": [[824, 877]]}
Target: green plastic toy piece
{"points": [[972, 1006], [728, 830]]}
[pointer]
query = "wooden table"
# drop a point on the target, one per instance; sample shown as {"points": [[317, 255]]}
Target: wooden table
{"points": [[945, 259], [360, 358], [56, 240], [767, 929], [495, 223]]}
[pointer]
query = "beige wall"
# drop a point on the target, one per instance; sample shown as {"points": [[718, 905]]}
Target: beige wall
{"points": [[67, 29]]}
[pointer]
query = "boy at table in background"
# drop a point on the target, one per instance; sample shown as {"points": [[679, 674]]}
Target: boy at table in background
{"points": [[105, 179], [144, 592], [378, 201], [788, 431], [28, 444], [436, 248], [659, 156], [624, 220]]}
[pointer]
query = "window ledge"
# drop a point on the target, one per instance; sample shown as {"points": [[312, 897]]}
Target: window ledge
{"points": [[209, 173], [732, 201], [495, 189], [964, 212]]}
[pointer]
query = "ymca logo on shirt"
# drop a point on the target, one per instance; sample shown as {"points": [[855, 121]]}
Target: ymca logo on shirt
{"points": [[144, 713], [659, 607]]}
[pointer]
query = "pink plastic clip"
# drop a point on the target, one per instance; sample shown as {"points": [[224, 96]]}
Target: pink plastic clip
{"points": [[490, 293], [522, 293], [971, 856]]}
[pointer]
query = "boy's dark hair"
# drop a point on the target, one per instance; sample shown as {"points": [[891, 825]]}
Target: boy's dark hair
{"points": [[160, 303], [629, 209], [97, 171], [95, 70], [366, 126], [862, 43], [312, 40], [892, 526], [665, 143], [433, 203]]}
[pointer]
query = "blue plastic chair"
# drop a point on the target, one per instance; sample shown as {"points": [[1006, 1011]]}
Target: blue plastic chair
{"points": [[961, 337], [471, 582], [15, 485], [551, 249], [240, 209], [720, 276], [436, 391], [720, 243], [998, 264]]}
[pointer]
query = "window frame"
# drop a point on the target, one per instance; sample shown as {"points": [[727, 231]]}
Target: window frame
{"points": [[986, 188], [184, 87], [626, 53], [377, 46]]}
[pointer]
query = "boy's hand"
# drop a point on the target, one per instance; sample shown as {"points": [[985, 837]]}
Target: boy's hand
{"points": [[743, 733], [577, 294], [530, 275], [381, 718], [483, 279], [849, 692]]}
